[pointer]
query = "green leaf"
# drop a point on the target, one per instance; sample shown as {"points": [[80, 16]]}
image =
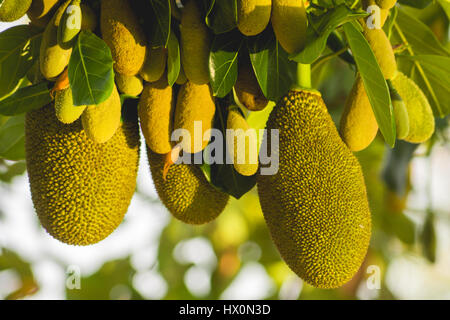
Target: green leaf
{"points": [[91, 72], [161, 19], [223, 62], [222, 16], [445, 4], [320, 29], [173, 59], [376, 87], [420, 4], [12, 138], [273, 69], [19, 47], [26, 99]]}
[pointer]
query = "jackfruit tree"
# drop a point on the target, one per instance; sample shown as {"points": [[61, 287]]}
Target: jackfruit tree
{"points": [[238, 79]]}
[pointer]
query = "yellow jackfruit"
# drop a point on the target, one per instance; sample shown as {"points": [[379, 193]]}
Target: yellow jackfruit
{"points": [[12, 10], [383, 12], [316, 205], [155, 64], [131, 85], [382, 48], [243, 146], [124, 36], [358, 123], [253, 16], [81, 190], [156, 109], [421, 119], [195, 44], [195, 106], [185, 191], [41, 11], [53, 58], [289, 23], [248, 90], [66, 112], [100, 122], [386, 4]]}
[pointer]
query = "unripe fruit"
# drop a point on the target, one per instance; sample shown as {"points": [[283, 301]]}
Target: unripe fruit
{"points": [[382, 48], [12, 10], [131, 85], [66, 112], [155, 64], [248, 90], [253, 16], [401, 114], [70, 25]]}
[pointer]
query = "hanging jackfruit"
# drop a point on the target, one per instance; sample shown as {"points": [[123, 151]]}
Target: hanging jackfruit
{"points": [[131, 85], [155, 64], [383, 12], [420, 114], [195, 44], [247, 89], [12, 10], [156, 109], [80, 190], [253, 16], [316, 205], [242, 148], [185, 191], [100, 122], [124, 36], [195, 106], [382, 49], [289, 23], [66, 112]]}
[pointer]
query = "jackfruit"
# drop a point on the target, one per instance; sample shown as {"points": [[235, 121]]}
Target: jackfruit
{"points": [[185, 191], [100, 122], [131, 85], [382, 48], [253, 16], [195, 44], [12, 10], [359, 126], [124, 36], [289, 23], [248, 90], [81, 190], [386, 4], [244, 147], [66, 112], [401, 114], [195, 106], [316, 205], [383, 12], [421, 119], [156, 109], [155, 64], [53, 58]]}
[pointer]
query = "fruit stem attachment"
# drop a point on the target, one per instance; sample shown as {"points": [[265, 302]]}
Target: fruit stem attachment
{"points": [[304, 75]]}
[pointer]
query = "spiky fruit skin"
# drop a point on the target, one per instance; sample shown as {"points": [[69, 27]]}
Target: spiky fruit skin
{"points": [[185, 192], [359, 126], [12, 10], [248, 90], [80, 190], [253, 16], [195, 44], [289, 23], [386, 4], [65, 111], [382, 49], [156, 109], [53, 58], [245, 158], [131, 85], [124, 36], [155, 64], [100, 122], [421, 119], [195, 103], [316, 205]]}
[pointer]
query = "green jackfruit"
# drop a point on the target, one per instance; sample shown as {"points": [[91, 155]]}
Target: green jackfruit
{"points": [[253, 16], [421, 119], [124, 36], [358, 123], [66, 112], [195, 44], [382, 48], [53, 59], [248, 91], [12, 10], [131, 85], [185, 191], [289, 23], [316, 205], [195, 105], [155, 64], [100, 122], [245, 148], [41, 12], [156, 109], [401, 114], [81, 190]]}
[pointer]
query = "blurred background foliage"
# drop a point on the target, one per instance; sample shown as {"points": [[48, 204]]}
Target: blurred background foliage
{"points": [[234, 257]]}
